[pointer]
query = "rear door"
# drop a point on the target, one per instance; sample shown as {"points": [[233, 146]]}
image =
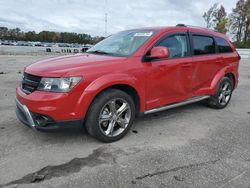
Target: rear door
{"points": [[169, 80], [206, 62]]}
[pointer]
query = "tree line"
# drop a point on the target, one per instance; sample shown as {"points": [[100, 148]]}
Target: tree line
{"points": [[235, 23], [47, 36]]}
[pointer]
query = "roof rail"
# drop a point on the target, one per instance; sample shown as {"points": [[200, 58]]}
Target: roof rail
{"points": [[183, 25]]}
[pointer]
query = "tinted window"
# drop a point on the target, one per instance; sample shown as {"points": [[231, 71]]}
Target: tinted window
{"points": [[223, 45], [203, 45], [177, 45]]}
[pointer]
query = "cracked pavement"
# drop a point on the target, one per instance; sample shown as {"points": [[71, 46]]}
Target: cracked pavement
{"points": [[190, 146]]}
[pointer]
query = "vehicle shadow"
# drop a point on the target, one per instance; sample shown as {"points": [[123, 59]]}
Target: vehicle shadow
{"points": [[78, 134], [171, 114]]}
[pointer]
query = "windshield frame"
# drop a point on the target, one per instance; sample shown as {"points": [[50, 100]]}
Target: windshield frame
{"points": [[128, 32]]}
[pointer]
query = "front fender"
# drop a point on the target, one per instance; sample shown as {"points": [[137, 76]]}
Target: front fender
{"points": [[106, 81]]}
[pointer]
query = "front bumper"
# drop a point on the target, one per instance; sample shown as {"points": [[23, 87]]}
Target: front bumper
{"points": [[42, 122], [23, 114]]}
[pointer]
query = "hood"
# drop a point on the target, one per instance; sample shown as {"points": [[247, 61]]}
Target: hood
{"points": [[59, 66]]}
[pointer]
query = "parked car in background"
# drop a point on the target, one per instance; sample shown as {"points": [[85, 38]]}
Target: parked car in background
{"points": [[128, 74]]}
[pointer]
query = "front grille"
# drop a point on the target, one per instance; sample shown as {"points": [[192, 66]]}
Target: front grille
{"points": [[30, 83]]}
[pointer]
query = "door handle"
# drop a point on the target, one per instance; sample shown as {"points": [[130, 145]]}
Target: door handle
{"points": [[186, 65]]}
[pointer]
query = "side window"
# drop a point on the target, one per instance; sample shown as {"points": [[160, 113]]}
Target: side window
{"points": [[177, 45], [223, 45], [203, 45]]}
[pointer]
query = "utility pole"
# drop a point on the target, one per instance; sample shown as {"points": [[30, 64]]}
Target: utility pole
{"points": [[106, 17]]}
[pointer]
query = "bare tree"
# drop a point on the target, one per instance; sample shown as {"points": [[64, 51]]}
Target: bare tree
{"points": [[238, 20], [216, 18], [247, 23], [221, 20], [209, 16]]}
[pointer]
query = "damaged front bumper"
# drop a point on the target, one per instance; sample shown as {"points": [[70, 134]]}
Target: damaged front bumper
{"points": [[41, 122]]}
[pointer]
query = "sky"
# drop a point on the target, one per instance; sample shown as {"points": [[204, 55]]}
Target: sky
{"points": [[87, 16]]}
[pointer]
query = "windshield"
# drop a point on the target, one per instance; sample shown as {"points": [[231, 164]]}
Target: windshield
{"points": [[124, 43]]}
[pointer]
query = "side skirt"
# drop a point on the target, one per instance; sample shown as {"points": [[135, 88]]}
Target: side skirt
{"points": [[188, 101]]}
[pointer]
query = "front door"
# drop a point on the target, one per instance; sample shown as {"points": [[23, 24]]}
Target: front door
{"points": [[170, 80]]}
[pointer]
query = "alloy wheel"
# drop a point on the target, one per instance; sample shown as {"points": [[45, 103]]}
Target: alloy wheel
{"points": [[225, 93], [114, 117]]}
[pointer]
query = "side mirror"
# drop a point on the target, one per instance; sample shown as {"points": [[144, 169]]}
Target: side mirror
{"points": [[159, 52]]}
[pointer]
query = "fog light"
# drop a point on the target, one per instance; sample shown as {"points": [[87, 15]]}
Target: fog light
{"points": [[41, 120]]}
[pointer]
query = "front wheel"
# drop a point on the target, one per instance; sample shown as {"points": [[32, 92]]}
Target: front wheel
{"points": [[223, 94], [110, 115]]}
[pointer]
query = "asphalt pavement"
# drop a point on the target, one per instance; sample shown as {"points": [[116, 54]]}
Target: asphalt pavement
{"points": [[189, 146]]}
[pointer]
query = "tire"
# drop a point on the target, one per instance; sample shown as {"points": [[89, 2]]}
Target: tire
{"points": [[110, 115], [223, 94]]}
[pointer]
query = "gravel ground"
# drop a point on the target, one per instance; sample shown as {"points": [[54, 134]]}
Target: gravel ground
{"points": [[190, 146]]}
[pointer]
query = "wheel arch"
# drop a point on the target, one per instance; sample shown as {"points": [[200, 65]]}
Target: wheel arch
{"points": [[127, 84], [225, 72], [132, 92], [231, 77]]}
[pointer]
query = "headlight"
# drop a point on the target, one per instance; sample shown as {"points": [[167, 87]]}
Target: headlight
{"points": [[58, 84]]}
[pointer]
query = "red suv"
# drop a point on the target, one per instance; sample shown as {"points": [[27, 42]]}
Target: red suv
{"points": [[133, 72]]}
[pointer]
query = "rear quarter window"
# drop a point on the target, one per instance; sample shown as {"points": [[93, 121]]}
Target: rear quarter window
{"points": [[223, 45]]}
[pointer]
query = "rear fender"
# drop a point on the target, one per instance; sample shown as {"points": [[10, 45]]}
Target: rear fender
{"points": [[219, 76]]}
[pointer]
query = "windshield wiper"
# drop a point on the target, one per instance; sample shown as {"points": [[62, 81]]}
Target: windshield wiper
{"points": [[99, 52]]}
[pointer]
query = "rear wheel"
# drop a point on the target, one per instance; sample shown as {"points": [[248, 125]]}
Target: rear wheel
{"points": [[110, 115], [223, 94]]}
